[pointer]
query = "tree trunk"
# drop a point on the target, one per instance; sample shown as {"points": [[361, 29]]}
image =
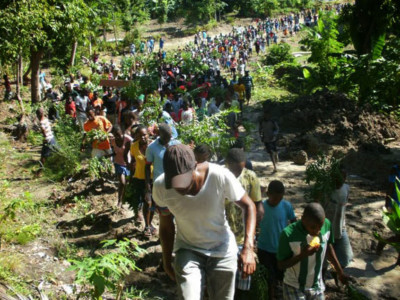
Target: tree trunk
{"points": [[19, 80], [73, 53], [21, 130], [26, 74], [36, 56], [104, 33], [115, 36]]}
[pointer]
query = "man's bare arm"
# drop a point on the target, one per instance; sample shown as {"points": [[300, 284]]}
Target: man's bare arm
{"points": [[247, 259]]}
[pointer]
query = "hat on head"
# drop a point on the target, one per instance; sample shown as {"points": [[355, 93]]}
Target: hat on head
{"points": [[179, 163]]}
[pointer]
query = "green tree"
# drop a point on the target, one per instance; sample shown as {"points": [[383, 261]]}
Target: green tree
{"points": [[325, 48], [199, 11], [264, 7], [162, 11], [40, 25]]}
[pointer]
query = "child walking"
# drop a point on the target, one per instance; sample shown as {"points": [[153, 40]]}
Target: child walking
{"points": [[301, 252], [278, 213]]}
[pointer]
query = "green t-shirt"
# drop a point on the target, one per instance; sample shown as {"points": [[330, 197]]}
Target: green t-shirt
{"points": [[306, 274]]}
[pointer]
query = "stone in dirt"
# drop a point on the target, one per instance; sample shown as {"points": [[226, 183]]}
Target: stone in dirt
{"points": [[300, 157]]}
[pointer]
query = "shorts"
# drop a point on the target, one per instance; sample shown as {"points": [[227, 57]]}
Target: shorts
{"points": [[47, 148], [291, 293], [139, 193], [121, 170], [248, 94], [269, 260], [271, 147], [233, 70], [139, 189]]}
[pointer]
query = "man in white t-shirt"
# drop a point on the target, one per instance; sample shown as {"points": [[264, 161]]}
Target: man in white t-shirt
{"points": [[193, 195]]}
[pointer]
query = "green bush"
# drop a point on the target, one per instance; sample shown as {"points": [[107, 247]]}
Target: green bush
{"points": [[391, 218], [132, 37], [98, 167], [65, 160], [279, 53], [107, 271], [200, 132], [290, 76], [323, 174]]}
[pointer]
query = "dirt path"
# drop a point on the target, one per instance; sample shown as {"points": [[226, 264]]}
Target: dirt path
{"points": [[377, 277]]}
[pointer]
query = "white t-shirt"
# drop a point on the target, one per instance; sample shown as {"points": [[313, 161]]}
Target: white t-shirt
{"points": [[200, 219]]}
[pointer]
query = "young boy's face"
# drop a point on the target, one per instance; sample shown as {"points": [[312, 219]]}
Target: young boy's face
{"points": [[236, 168], [311, 226], [274, 198]]}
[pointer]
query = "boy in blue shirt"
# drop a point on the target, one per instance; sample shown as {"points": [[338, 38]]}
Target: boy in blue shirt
{"points": [[278, 213]]}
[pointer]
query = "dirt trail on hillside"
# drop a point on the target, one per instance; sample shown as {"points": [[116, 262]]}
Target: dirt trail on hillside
{"points": [[377, 277]]}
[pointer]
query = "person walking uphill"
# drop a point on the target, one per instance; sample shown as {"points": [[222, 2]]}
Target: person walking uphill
{"points": [[193, 195], [301, 252]]}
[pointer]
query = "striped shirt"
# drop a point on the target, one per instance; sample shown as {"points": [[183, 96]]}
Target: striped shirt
{"points": [[306, 274], [46, 130]]}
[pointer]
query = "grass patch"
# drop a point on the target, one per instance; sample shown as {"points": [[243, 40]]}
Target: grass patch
{"points": [[11, 266], [22, 219]]}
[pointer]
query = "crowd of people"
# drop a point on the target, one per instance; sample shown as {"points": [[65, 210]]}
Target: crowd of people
{"points": [[206, 210]]}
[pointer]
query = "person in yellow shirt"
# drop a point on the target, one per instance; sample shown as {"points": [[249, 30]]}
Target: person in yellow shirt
{"points": [[235, 162], [241, 90], [138, 165]]}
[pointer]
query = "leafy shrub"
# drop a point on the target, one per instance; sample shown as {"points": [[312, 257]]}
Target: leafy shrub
{"points": [[65, 160], [279, 53], [211, 131], [107, 270], [391, 218], [152, 110], [127, 63], [323, 173], [99, 166], [95, 79], [14, 231], [290, 76], [132, 37], [192, 65]]}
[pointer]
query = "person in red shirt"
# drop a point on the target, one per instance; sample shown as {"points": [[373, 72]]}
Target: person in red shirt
{"points": [[70, 108]]}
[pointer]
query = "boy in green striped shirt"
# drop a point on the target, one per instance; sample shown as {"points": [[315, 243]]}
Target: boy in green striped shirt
{"points": [[301, 255]]}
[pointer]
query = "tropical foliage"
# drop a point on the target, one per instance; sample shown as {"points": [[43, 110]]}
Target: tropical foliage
{"points": [[322, 176]]}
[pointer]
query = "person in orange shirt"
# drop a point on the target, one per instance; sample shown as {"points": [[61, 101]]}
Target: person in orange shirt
{"points": [[97, 101], [99, 148]]}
